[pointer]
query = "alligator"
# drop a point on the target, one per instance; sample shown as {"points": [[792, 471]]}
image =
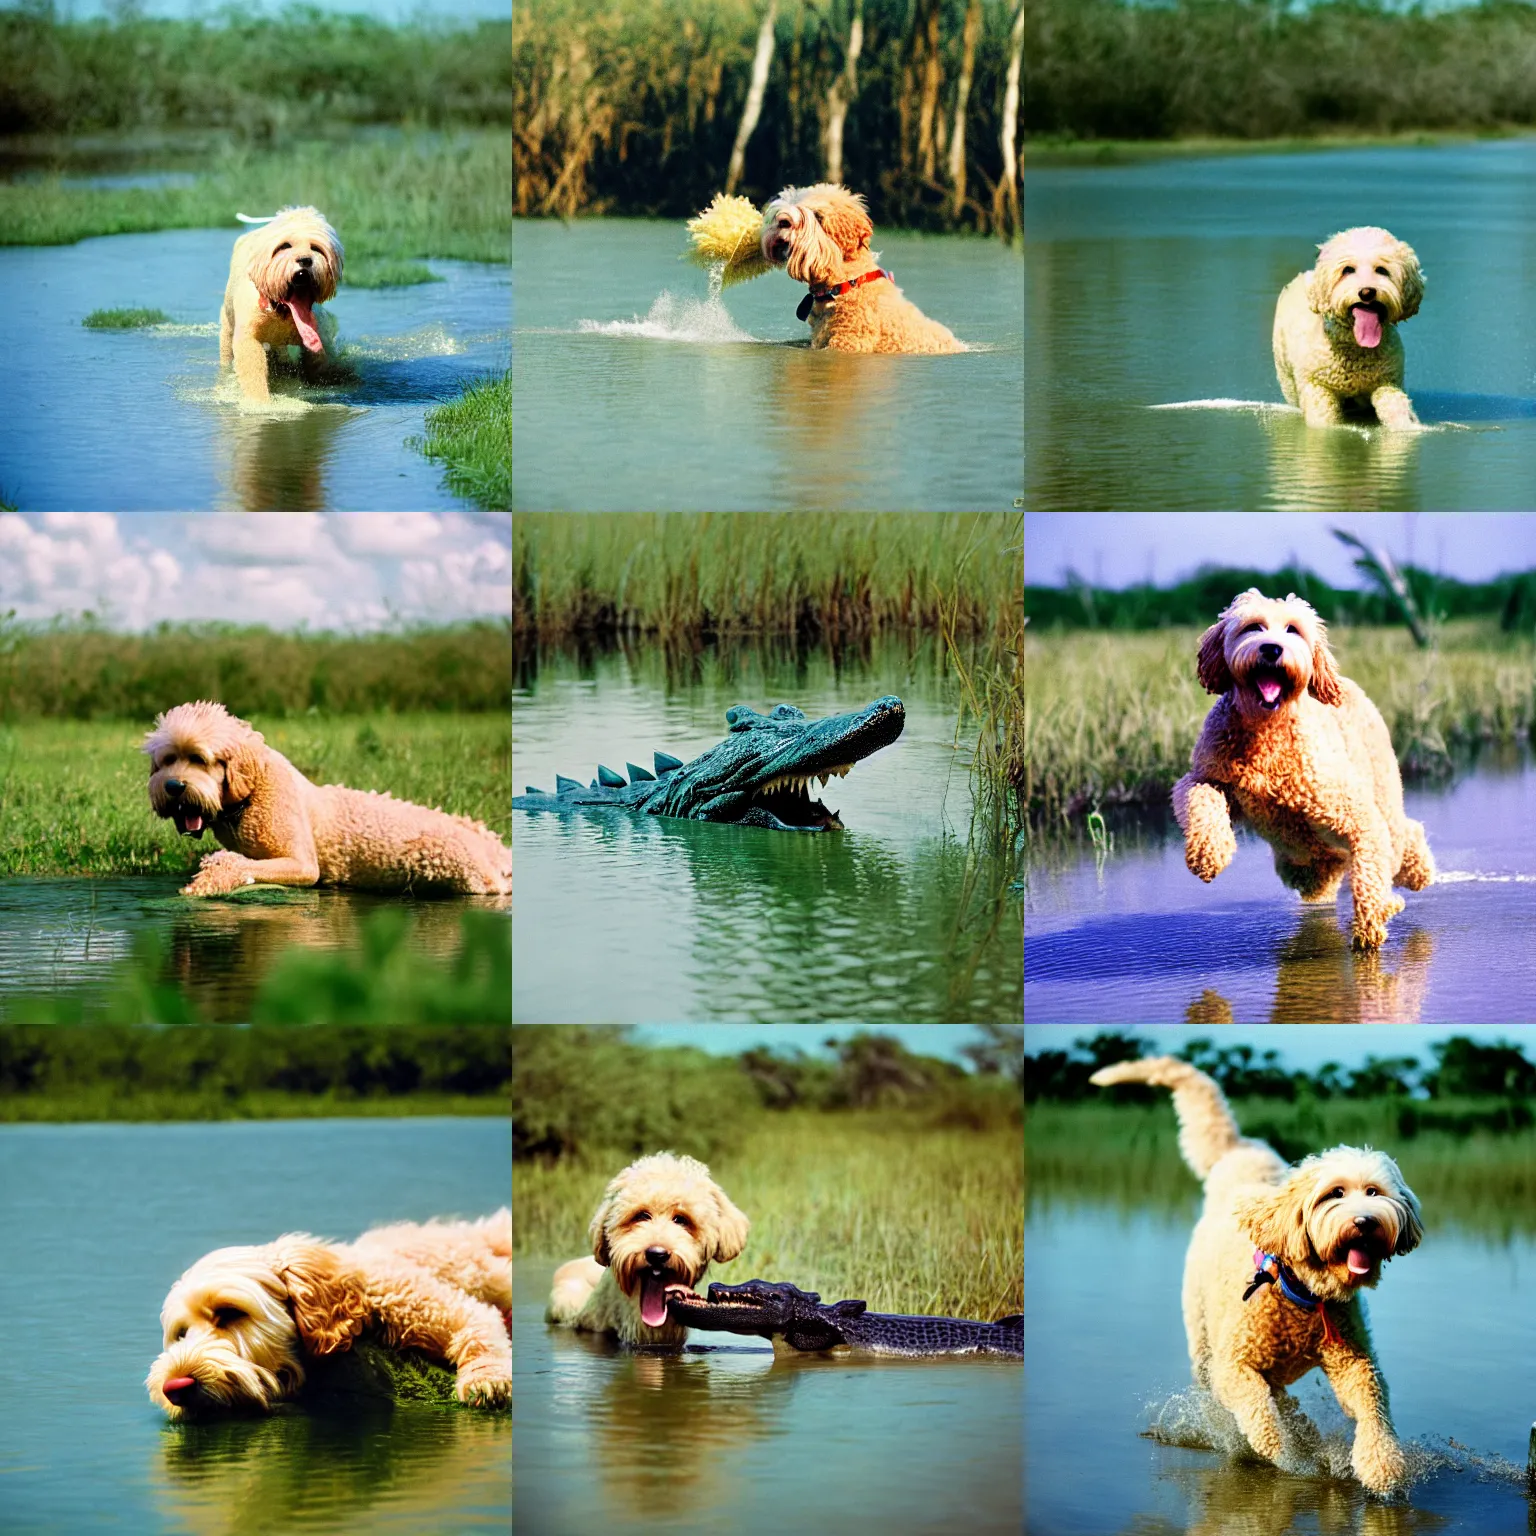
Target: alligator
{"points": [[759, 776], [778, 1310]]}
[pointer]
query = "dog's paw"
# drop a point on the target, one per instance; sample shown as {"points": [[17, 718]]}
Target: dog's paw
{"points": [[486, 1382], [1369, 931], [1207, 857], [1379, 1462], [219, 874]]}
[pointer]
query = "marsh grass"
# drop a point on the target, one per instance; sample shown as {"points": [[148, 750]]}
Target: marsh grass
{"points": [[124, 319], [388, 274], [1127, 1155], [75, 801], [825, 574], [472, 437], [1111, 718], [884, 1206]]}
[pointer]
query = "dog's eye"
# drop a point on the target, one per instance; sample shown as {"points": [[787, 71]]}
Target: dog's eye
{"points": [[227, 1317], [1371, 1189], [682, 1220], [1335, 1194], [1382, 272], [287, 245], [1291, 629], [180, 1333], [1348, 271], [1248, 629], [640, 1216]]}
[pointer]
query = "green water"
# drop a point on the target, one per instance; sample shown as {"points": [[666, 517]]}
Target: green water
{"points": [[623, 919], [1155, 284]]}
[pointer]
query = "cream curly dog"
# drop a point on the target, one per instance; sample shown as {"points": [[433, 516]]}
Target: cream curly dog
{"points": [[1337, 351], [207, 768], [1274, 1272], [820, 235], [659, 1226], [278, 273], [1305, 757], [241, 1323]]}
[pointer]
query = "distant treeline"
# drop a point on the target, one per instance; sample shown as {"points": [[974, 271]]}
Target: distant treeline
{"points": [[198, 1072], [1253, 69], [79, 671], [1512, 599], [640, 109], [578, 1089], [255, 76], [1463, 1068]]}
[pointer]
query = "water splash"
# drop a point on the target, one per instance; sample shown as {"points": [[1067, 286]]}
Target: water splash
{"points": [[680, 319]]}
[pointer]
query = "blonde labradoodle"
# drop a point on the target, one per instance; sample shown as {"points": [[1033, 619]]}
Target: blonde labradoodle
{"points": [[1305, 757], [1275, 1270], [241, 1324], [658, 1227], [1337, 351], [820, 235], [278, 273], [209, 769]]}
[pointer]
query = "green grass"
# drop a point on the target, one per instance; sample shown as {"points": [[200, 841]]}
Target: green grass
{"points": [[124, 319], [1111, 718], [74, 798], [388, 274], [392, 196], [472, 436], [1127, 1154], [889, 1207]]}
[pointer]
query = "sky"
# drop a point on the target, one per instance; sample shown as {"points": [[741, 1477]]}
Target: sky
{"points": [[1119, 549], [285, 570], [942, 1040], [1302, 1047]]}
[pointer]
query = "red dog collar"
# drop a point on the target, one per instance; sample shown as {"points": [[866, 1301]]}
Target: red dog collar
{"points": [[829, 295]]}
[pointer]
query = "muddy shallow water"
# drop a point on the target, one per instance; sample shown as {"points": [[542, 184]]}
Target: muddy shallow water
{"points": [[142, 419], [1135, 938]]}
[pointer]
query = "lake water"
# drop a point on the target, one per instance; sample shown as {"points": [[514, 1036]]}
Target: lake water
{"points": [[727, 1437], [1453, 1330], [1155, 284], [892, 918], [631, 389], [1141, 940], [141, 420], [56, 935], [100, 1219]]}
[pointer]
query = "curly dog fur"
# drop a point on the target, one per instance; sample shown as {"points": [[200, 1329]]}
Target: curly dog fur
{"points": [[207, 767], [1332, 1220], [241, 1323], [820, 235], [660, 1224], [1305, 757], [1337, 351]]}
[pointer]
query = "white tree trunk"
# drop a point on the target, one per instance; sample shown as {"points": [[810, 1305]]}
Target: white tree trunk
{"points": [[962, 97], [1007, 199], [844, 88], [754, 107]]}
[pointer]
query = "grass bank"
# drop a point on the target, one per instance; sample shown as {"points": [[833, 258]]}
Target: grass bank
{"points": [[1112, 718], [472, 437], [1463, 1167], [74, 797], [264, 1072], [883, 1206], [1112, 70]]}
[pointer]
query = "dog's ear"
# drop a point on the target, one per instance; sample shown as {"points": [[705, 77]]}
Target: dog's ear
{"points": [[1320, 285], [846, 223], [1211, 664], [1324, 686], [597, 1230], [1413, 279], [1412, 1233], [731, 1227], [325, 1293], [1276, 1221], [242, 767]]}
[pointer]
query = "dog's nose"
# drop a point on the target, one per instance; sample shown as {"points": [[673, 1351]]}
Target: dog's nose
{"points": [[306, 262], [179, 1388], [656, 1257], [174, 787], [1367, 293], [1269, 651], [1366, 1224]]}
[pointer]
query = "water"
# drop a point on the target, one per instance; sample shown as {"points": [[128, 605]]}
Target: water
{"points": [[56, 935], [100, 1219], [1142, 940], [890, 919], [155, 427], [631, 389], [728, 1437], [1155, 284], [1106, 1351]]}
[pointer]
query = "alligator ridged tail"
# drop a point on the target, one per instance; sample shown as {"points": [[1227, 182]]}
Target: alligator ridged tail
{"points": [[1207, 1129]]}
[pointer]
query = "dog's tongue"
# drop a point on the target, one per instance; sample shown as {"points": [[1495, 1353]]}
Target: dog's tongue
{"points": [[1269, 689], [304, 320], [1367, 326], [192, 822], [1359, 1261], [653, 1299]]}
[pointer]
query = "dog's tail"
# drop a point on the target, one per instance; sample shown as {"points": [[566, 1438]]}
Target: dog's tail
{"points": [[1207, 1130], [255, 218]]}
